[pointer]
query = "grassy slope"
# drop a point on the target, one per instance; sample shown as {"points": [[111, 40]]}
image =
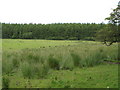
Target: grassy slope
{"points": [[102, 76]]}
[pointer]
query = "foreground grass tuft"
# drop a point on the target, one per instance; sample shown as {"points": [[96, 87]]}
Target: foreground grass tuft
{"points": [[5, 82]]}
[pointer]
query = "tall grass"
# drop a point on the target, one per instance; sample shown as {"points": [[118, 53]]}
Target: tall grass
{"points": [[76, 59], [53, 62], [95, 58], [5, 82], [7, 67], [67, 62], [34, 70], [89, 59], [15, 62], [36, 63], [27, 70]]}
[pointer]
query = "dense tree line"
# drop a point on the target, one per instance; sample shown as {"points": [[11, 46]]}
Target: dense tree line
{"points": [[56, 31]]}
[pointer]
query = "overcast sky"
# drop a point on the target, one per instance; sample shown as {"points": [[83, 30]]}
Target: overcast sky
{"points": [[55, 11]]}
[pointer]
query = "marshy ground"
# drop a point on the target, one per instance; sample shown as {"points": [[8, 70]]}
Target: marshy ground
{"points": [[58, 64]]}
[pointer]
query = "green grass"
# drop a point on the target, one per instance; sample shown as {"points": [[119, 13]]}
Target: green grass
{"points": [[17, 44], [30, 63], [101, 76]]}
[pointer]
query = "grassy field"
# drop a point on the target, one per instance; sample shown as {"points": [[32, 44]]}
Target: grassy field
{"points": [[17, 44], [58, 64]]}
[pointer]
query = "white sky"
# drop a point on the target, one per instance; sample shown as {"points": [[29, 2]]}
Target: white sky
{"points": [[55, 11]]}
